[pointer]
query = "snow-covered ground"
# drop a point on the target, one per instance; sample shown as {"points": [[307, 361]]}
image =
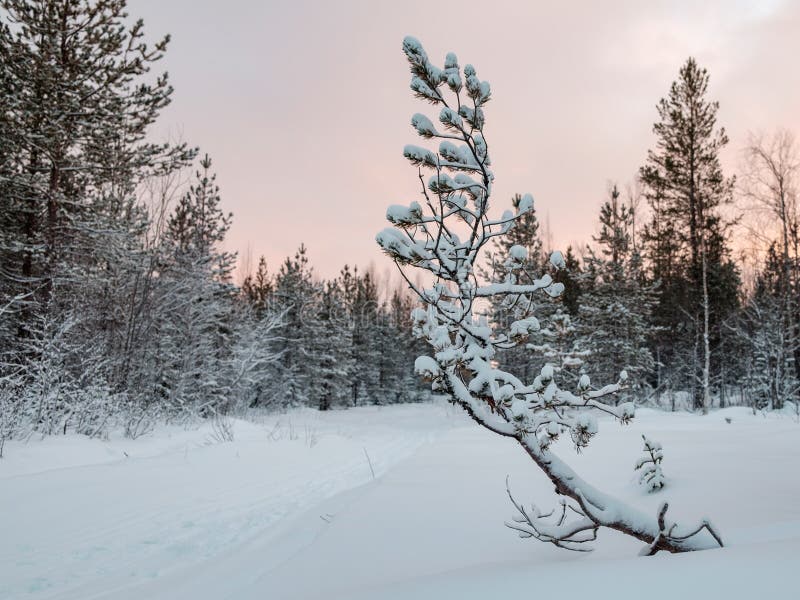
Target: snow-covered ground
{"points": [[290, 510]]}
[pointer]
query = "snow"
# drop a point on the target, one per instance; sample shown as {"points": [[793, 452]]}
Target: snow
{"points": [[418, 155], [450, 118], [557, 260], [81, 517], [289, 510], [525, 204], [523, 327], [518, 252], [423, 125], [404, 215], [652, 477], [422, 88], [427, 367]]}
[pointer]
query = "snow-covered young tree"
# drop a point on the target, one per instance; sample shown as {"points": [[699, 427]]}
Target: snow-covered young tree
{"points": [[445, 235], [651, 476], [616, 303], [197, 275]]}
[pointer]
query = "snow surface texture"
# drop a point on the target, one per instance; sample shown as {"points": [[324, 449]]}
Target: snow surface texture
{"points": [[289, 510]]}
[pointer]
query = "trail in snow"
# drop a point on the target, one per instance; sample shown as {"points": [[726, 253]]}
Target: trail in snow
{"points": [[284, 520], [432, 527], [79, 516]]}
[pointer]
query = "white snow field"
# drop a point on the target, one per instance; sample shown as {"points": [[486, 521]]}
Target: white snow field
{"points": [[290, 510]]}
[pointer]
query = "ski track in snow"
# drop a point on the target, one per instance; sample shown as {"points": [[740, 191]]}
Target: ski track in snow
{"points": [[70, 531], [181, 517]]}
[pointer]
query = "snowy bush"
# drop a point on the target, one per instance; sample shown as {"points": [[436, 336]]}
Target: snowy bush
{"points": [[651, 477], [446, 239], [9, 418], [222, 428]]}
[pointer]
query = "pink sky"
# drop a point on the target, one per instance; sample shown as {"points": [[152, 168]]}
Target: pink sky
{"points": [[305, 107]]}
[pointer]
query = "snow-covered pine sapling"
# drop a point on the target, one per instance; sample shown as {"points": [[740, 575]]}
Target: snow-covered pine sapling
{"points": [[444, 234], [651, 476]]}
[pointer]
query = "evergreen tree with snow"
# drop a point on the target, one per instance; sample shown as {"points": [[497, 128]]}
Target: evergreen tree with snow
{"points": [[404, 347], [521, 251], [651, 476], [78, 101], [616, 304], [527, 251], [364, 309], [768, 347], [686, 241], [296, 297], [328, 350], [258, 288], [197, 275], [76, 111]]}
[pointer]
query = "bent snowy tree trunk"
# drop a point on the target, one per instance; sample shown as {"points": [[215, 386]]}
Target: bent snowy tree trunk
{"points": [[594, 508], [444, 235]]}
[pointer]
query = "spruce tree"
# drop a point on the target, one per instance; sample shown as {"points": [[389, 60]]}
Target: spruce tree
{"points": [[405, 347], [258, 288], [554, 342], [363, 306], [328, 349], [197, 276], [769, 347], [613, 324], [296, 296]]}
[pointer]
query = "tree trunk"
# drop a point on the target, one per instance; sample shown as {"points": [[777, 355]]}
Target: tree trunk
{"points": [[706, 344], [607, 511]]}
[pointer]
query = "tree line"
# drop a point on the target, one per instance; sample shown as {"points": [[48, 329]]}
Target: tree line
{"points": [[117, 300], [118, 305], [660, 292]]}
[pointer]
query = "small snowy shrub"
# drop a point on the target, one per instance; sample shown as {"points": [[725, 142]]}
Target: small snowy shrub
{"points": [[651, 477], [221, 428], [445, 235], [9, 420]]}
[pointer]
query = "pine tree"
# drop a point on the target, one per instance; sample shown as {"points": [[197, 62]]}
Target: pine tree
{"points": [[76, 113], [77, 107], [461, 361], [554, 341], [616, 225], [363, 306], [686, 188], [557, 341], [651, 476], [404, 348]]}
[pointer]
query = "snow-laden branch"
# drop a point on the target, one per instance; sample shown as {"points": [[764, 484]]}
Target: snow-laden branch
{"points": [[444, 237]]}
